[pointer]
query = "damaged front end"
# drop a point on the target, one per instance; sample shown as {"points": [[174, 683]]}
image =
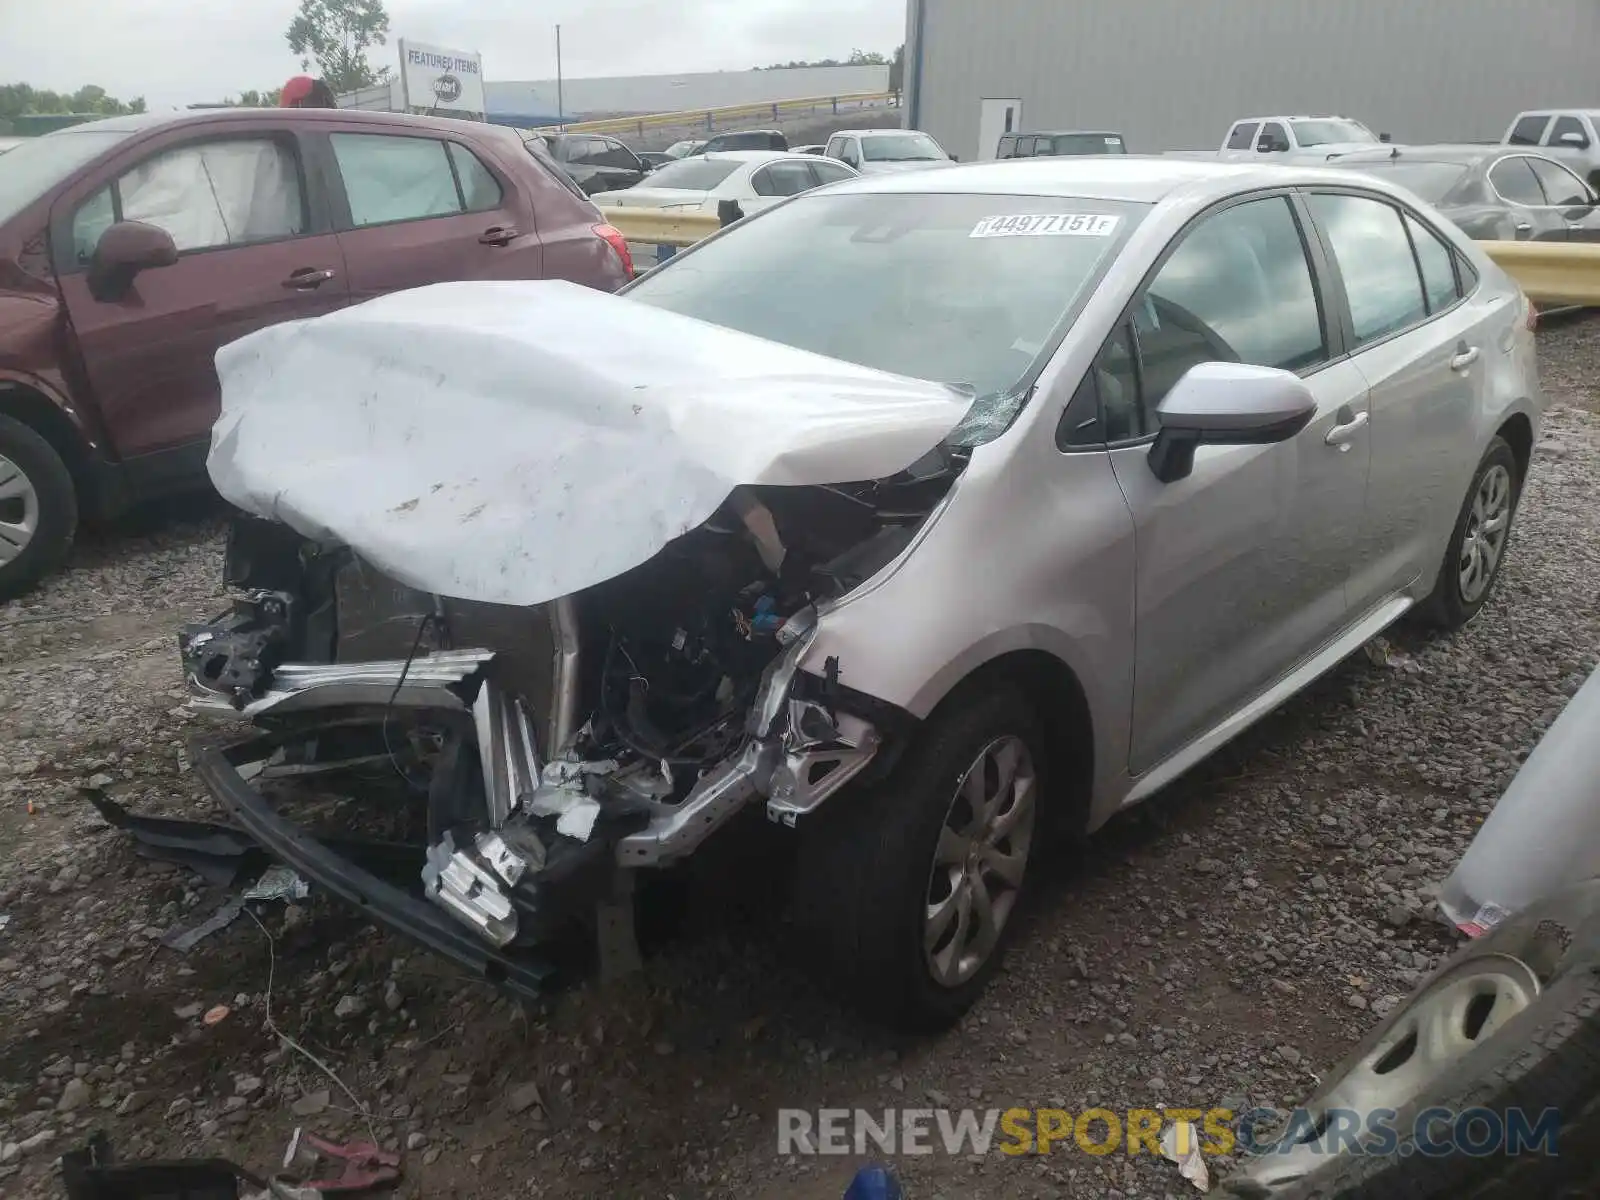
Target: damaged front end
{"points": [[536, 756]]}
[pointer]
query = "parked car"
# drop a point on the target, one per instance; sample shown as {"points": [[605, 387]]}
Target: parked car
{"points": [[757, 179], [927, 519], [1567, 135], [135, 247], [655, 158], [811, 149], [1288, 135], [683, 149], [1504, 1020], [1492, 192], [1059, 144], [885, 151], [594, 162], [741, 139]]}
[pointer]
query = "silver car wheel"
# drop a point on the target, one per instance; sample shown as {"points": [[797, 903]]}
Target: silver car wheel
{"points": [[980, 861], [1459, 1011], [1484, 538], [19, 511]]}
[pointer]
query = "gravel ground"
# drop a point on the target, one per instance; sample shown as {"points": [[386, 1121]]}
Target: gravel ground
{"points": [[1222, 945]]}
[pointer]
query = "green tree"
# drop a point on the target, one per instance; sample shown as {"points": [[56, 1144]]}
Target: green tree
{"points": [[864, 58], [255, 99], [897, 70], [336, 34], [21, 99]]}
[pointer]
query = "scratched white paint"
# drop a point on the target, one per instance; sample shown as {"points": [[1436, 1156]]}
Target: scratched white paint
{"points": [[516, 442]]}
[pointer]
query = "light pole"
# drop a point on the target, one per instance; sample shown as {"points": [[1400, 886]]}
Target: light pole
{"points": [[561, 108]]}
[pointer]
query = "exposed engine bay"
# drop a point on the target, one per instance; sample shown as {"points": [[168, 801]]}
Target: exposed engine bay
{"points": [[551, 745]]}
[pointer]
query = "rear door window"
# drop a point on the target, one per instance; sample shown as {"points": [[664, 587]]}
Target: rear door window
{"points": [[480, 190], [1438, 263], [1561, 187], [1528, 130], [1243, 136], [389, 178], [783, 179], [1516, 182], [1375, 258], [206, 195]]}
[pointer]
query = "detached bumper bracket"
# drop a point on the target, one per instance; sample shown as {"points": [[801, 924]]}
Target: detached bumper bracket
{"points": [[386, 904]]}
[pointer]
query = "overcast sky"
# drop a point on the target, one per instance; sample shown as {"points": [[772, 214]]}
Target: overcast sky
{"points": [[175, 52]]}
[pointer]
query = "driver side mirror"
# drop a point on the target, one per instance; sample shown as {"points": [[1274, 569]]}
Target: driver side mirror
{"points": [[124, 250], [1227, 404], [1576, 140]]}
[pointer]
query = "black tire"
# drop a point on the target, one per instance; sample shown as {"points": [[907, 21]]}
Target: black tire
{"points": [[58, 507], [866, 859], [1544, 1058], [1446, 608]]}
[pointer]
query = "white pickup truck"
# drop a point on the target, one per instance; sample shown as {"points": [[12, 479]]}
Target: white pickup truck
{"points": [[1253, 136]]}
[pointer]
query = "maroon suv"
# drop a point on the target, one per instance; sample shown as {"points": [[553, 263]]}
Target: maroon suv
{"points": [[132, 248]]}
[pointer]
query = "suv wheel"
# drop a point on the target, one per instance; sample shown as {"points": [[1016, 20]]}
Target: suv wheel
{"points": [[909, 891], [38, 508], [1478, 542]]}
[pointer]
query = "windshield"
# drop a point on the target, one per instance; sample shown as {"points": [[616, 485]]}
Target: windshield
{"points": [[1328, 133], [903, 147], [1433, 181], [35, 165], [692, 174], [967, 290]]}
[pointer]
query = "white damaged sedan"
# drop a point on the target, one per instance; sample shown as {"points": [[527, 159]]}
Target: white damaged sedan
{"points": [[925, 514]]}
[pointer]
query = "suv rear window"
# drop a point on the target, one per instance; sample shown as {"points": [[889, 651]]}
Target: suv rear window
{"points": [[1087, 143], [693, 174]]}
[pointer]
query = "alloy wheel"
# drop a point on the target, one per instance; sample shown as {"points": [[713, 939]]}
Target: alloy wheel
{"points": [[19, 511], [1484, 540], [980, 861]]}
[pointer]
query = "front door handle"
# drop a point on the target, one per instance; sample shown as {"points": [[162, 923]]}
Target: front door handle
{"points": [[1342, 435], [1523, 228], [1464, 359], [499, 235], [308, 278]]}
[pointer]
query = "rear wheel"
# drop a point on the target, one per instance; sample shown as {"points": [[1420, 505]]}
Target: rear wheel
{"points": [[38, 508], [1478, 543], [908, 892]]}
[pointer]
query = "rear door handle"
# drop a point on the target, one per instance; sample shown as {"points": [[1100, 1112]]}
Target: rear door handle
{"points": [[1464, 359], [308, 278], [1342, 435], [1524, 227], [499, 235]]}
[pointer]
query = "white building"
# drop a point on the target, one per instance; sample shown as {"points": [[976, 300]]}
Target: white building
{"points": [[1173, 74]]}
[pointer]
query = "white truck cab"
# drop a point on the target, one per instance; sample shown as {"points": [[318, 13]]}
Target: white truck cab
{"points": [[1286, 135], [1565, 134]]}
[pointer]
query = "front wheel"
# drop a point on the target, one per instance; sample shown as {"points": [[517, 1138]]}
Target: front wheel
{"points": [[1478, 543], [908, 892], [38, 508]]}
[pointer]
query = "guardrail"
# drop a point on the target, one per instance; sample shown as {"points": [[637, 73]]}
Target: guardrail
{"points": [[1549, 272], [709, 116]]}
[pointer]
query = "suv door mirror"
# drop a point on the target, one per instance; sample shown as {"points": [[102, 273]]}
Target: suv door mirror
{"points": [[124, 250], [1227, 404], [1576, 140]]}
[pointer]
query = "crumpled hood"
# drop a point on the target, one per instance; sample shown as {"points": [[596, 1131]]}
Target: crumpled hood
{"points": [[513, 443]]}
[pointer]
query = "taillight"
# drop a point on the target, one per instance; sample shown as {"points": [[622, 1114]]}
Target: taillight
{"points": [[617, 242]]}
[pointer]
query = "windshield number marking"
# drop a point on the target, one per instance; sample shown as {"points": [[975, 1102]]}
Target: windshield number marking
{"points": [[1047, 225]]}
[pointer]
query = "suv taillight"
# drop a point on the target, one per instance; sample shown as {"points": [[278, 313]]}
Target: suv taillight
{"points": [[617, 242]]}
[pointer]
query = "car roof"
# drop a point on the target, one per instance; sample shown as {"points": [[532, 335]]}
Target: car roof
{"points": [[1065, 133], [744, 133], [886, 132], [1591, 113], [1139, 179], [747, 155], [142, 122], [1298, 117]]}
